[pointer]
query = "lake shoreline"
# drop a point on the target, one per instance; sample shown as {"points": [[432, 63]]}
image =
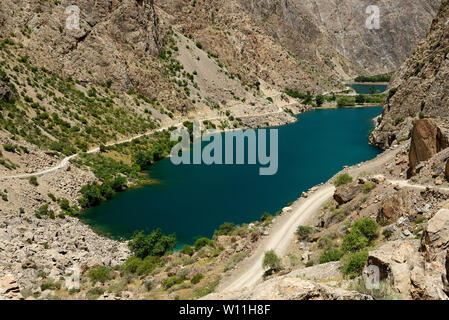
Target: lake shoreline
{"points": [[270, 208]]}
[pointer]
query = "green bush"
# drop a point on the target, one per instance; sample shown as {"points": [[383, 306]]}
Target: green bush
{"points": [[188, 250], [147, 265], [387, 233], [266, 217], [271, 262], [196, 278], [50, 285], [154, 244], [304, 233], [345, 102], [33, 181], [132, 264], [368, 227], [376, 78], [169, 282], [368, 186], [100, 274], [331, 255], [319, 100], [354, 241], [201, 242], [354, 263], [342, 180], [225, 229]]}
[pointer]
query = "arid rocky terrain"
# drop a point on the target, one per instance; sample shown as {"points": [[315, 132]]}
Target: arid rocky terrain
{"points": [[137, 66]]}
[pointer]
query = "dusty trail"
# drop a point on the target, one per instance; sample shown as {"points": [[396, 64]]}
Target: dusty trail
{"points": [[283, 231], [280, 238]]}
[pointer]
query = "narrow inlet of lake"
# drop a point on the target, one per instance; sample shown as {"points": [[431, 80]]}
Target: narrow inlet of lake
{"points": [[193, 200]]}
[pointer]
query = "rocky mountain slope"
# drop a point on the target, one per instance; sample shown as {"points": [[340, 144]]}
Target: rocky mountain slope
{"points": [[133, 67], [419, 88], [401, 25]]}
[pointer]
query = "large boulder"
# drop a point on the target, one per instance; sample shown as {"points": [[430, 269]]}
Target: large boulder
{"points": [[436, 235], [346, 193], [403, 266], [427, 140], [395, 206]]}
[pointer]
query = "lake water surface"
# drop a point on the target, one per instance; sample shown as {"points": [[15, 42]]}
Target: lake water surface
{"points": [[362, 88], [193, 200]]}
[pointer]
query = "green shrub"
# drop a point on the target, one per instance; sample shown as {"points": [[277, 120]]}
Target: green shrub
{"points": [[304, 233], [9, 147], [319, 100], [271, 262], [154, 244], [342, 180], [132, 264], [420, 220], [387, 233], [188, 250], [266, 217], [201, 242], [368, 186], [147, 265], [50, 285], [368, 227], [331, 255], [354, 241], [196, 278], [345, 102], [354, 263], [33, 181], [169, 282], [225, 229], [100, 274]]}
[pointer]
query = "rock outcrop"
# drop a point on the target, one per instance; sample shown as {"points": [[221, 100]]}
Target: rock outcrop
{"points": [[395, 206], [427, 140], [346, 193], [420, 85], [404, 267], [436, 235]]}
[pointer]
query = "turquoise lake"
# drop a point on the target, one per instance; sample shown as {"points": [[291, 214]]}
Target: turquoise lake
{"points": [[193, 200], [362, 88]]}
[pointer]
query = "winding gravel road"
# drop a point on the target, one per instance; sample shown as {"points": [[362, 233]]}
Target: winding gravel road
{"points": [[281, 235]]}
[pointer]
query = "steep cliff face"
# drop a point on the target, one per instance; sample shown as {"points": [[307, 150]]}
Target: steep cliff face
{"points": [[310, 45], [402, 24], [420, 87]]}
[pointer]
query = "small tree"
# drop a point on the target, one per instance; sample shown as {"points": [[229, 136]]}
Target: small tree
{"points": [[271, 262], [154, 244], [319, 100]]}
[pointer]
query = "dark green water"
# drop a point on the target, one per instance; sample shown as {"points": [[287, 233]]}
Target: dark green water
{"points": [[193, 200], [368, 88]]}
